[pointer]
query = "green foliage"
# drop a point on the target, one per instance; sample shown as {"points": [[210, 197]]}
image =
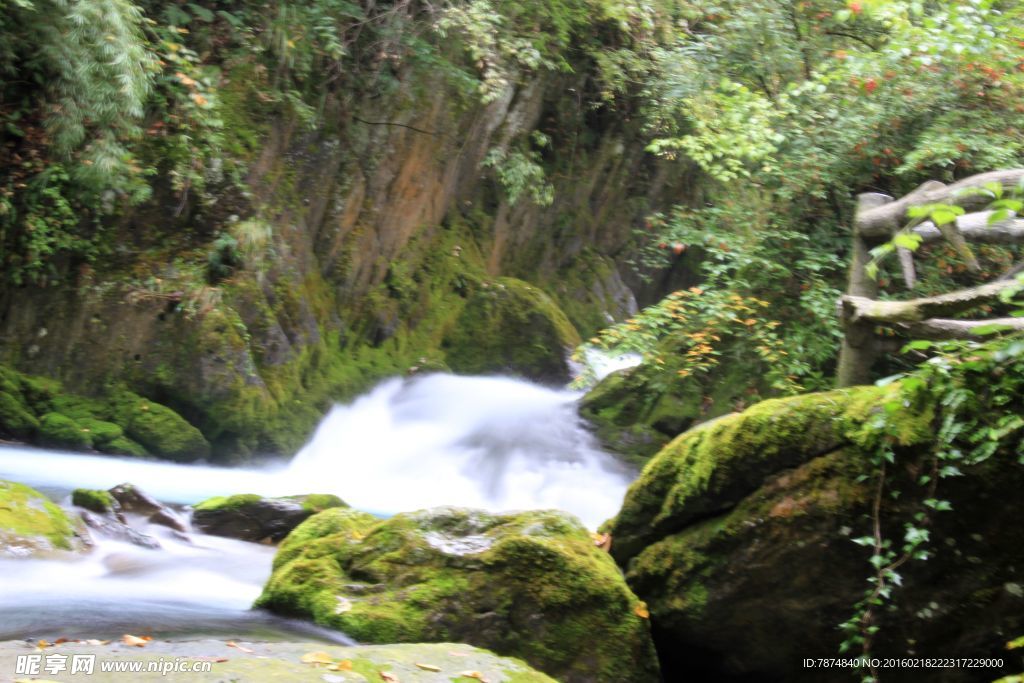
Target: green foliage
{"points": [[520, 173], [974, 391], [789, 110]]}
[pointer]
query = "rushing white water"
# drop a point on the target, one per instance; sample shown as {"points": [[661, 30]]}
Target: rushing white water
{"points": [[602, 363], [488, 442], [200, 586]]}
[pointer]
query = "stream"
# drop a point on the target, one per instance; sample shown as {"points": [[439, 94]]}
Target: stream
{"points": [[486, 442]]}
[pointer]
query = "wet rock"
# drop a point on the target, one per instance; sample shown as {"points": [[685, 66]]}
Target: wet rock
{"points": [[530, 585], [250, 517], [169, 518], [31, 524], [132, 499], [109, 527]]}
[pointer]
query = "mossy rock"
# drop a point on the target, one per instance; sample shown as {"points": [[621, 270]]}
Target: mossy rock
{"points": [[290, 662], [508, 325], [122, 445], [160, 430], [30, 523], [710, 468], [96, 500], [251, 517], [738, 537], [531, 585], [100, 431], [635, 412], [15, 417], [61, 431]]}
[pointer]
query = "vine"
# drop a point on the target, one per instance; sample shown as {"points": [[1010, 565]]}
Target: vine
{"points": [[974, 390]]}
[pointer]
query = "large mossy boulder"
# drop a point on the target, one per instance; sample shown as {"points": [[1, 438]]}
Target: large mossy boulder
{"points": [[250, 517], [160, 430], [531, 585], [511, 326], [30, 524], [739, 537]]}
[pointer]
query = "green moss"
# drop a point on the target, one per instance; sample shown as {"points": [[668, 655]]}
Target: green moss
{"points": [[123, 446], [96, 500], [318, 502], [551, 596], [30, 522], [101, 431], [711, 467], [334, 522], [511, 326], [229, 502], [60, 431], [159, 429], [15, 417]]}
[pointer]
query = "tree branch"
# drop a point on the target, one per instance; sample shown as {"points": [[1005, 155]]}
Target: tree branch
{"points": [[943, 329], [975, 228], [858, 309], [882, 221]]}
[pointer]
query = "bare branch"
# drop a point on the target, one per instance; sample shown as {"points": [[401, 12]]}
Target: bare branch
{"points": [[861, 309], [882, 221], [974, 227], [943, 329]]}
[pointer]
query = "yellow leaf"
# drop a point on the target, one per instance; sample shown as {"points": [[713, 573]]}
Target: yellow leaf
{"points": [[135, 641], [473, 674], [235, 645], [317, 657], [641, 610], [356, 536], [343, 665], [41, 644], [428, 667]]}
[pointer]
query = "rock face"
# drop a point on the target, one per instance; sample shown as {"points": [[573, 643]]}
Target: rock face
{"points": [[738, 535], [250, 517], [531, 585], [360, 249], [31, 524], [278, 662]]}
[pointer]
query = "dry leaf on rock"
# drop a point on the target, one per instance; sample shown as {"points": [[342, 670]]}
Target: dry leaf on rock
{"points": [[135, 641], [343, 665], [428, 667], [317, 657]]}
